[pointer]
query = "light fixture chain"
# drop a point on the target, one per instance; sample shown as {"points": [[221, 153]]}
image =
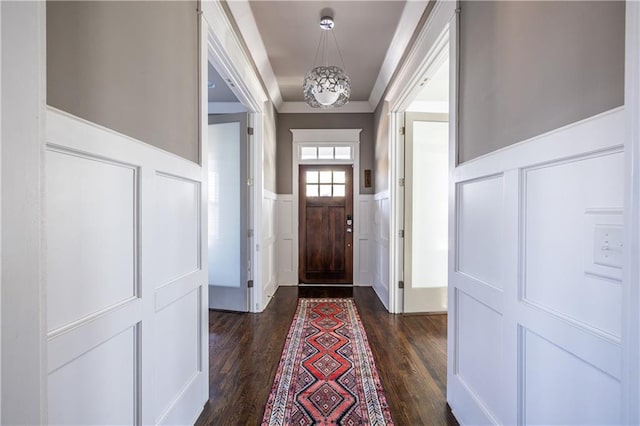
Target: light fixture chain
{"points": [[315, 60], [338, 49]]}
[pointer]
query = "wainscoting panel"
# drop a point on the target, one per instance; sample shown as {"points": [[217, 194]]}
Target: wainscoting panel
{"points": [[535, 330], [269, 246], [559, 388], [553, 218], [177, 226], [287, 250], [99, 384], [91, 241], [480, 213], [480, 335], [381, 246], [126, 291], [177, 357], [364, 274]]}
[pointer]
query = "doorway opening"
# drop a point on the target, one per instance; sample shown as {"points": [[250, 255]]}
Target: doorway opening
{"points": [[426, 194], [229, 203]]}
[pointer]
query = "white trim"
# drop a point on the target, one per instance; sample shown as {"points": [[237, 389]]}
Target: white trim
{"points": [[595, 132], [225, 107], [631, 292], [233, 63], [325, 136], [430, 50], [243, 16], [303, 108], [203, 58], [409, 20]]}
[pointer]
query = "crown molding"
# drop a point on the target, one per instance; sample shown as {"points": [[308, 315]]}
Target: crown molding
{"points": [[303, 108], [409, 20], [242, 14]]}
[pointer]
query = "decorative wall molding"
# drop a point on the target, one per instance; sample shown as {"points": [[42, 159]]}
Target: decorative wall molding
{"points": [[166, 304], [544, 212]]}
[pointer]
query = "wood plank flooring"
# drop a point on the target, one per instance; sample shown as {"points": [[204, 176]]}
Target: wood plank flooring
{"points": [[244, 351]]}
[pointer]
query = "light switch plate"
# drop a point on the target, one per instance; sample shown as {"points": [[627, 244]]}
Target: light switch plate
{"points": [[601, 227], [608, 245]]}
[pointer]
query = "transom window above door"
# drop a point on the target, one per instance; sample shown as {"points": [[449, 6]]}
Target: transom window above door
{"points": [[325, 152], [325, 183]]}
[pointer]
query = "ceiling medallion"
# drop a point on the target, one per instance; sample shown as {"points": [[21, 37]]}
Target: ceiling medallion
{"points": [[326, 86]]}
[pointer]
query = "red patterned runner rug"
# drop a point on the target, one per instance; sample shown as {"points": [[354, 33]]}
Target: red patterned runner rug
{"points": [[327, 375]]}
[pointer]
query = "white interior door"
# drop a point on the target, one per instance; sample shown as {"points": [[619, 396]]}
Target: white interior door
{"points": [[426, 212], [228, 212]]}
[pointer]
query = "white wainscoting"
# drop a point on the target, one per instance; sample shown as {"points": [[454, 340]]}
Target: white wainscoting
{"points": [[287, 243], [381, 246], [363, 275], [126, 287], [268, 247], [535, 319]]}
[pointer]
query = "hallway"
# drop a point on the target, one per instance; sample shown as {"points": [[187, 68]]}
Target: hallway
{"points": [[409, 350]]}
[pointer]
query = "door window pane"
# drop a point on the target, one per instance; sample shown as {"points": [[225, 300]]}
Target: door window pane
{"points": [[325, 190], [312, 190], [343, 153], [338, 191], [312, 176], [325, 152], [325, 177], [308, 153], [338, 177]]}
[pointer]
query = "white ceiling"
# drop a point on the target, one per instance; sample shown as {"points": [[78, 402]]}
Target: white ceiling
{"points": [[282, 37]]}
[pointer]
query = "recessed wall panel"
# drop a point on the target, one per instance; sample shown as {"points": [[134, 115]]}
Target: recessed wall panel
{"points": [[91, 209], [560, 388], [479, 350], [561, 203], [177, 237], [176, 350], [99, 387], [480, 229]]}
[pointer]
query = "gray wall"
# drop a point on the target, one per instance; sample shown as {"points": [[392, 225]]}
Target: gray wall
{"points": [[381, 126], [129, 66], [530, 67], [321, 121], [269, 169]]}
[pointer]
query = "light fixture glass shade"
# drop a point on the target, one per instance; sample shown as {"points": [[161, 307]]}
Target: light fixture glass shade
{"points": [[326, 87]]}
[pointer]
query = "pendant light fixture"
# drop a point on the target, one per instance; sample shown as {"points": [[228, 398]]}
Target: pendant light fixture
{"points": [[326, 86]]}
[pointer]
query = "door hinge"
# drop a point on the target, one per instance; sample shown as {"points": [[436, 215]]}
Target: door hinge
{"points": [[249, 182], [401, 181], [402, 130], [401, 233], [250, 284], [250, 233], [250, 131], [400, 284]]}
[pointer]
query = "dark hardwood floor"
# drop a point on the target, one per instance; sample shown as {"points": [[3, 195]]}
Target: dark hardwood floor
{"points": [[244, 351]]}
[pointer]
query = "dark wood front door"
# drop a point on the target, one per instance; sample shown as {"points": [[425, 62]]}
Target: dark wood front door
{"points": [[326, 225]]}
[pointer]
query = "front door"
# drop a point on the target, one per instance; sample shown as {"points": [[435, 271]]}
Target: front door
{"points": [[326, 224]]}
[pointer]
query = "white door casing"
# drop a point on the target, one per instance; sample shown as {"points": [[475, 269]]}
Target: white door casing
{"points": [[228, 56]]}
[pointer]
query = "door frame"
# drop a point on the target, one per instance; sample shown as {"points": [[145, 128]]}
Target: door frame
{"points": [[222, 46], [436, 41], [320, 137]]}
